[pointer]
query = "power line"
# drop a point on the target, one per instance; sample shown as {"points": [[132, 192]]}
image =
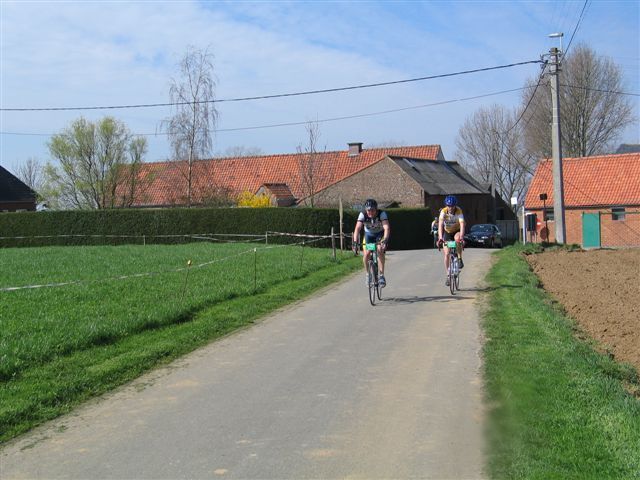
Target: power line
{"points": [[577, 26], [600, 90], [263, 97], [544, 68], [540, 77], [287, 124]]}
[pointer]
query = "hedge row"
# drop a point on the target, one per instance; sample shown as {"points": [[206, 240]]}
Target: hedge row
{"points": [[84, 227]]}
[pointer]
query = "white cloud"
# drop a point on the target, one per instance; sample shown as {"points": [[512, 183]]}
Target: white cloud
{"points": [[111, 53]]}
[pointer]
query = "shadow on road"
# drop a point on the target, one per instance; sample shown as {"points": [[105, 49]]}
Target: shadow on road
{"points": [[415, 299]]}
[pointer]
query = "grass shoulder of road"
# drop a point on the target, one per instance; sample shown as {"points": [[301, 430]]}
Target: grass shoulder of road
{"points": [[557, 408], [49, 390]]}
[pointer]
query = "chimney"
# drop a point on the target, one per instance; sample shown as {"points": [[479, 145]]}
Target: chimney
{"points": [[355, 149]]}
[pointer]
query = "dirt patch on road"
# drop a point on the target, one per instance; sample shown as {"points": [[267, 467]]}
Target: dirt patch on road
{"points": [[600, 289]]}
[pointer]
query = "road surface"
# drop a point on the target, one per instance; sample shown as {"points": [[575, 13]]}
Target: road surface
{"points": [[330, 387]]}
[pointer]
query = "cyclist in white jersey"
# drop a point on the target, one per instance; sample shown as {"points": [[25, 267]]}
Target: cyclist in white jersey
{"points": [[376, 229]]}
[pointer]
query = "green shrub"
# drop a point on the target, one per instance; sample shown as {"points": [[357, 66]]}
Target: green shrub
{"points": [[97, 227]]}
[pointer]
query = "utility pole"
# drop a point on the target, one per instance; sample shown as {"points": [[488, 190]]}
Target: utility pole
{"points": [[493, 179], [556, 148]]}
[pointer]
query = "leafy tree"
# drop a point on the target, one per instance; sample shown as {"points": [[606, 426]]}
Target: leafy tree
{"points": [[593, 112], [97, 165], [190, 128]]}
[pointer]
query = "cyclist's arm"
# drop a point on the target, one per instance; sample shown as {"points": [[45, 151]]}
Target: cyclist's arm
{"points": [[462, 225], [356, 231], [387, 230], [440, 226]]}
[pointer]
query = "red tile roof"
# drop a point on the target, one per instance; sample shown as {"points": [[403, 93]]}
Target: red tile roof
{"points": [[604, 180], [237, 174]]}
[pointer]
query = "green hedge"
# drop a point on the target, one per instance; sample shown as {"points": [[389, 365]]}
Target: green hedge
{"points": [[86, 227]]}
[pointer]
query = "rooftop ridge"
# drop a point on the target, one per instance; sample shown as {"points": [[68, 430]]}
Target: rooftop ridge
{"points": [[297, 154], [594, 157]]}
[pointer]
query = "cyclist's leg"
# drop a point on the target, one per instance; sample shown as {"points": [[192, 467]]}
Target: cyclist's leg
{"points": [[378, 237], [447, 237], [458, 238], [365, 258]]}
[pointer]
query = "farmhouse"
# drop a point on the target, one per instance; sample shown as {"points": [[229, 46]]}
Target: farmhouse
{"points": [[601, 199], [411, 176]]}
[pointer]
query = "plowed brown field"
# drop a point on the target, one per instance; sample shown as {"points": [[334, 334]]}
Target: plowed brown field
{"points": [[600, 289]]}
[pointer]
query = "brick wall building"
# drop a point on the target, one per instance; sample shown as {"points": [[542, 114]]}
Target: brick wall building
{"points": [[414, 182], [414, 176], [601, 197]]}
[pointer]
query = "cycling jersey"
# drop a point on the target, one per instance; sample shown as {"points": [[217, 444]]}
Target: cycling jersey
{"points": [[373, 225], [451, 220]]}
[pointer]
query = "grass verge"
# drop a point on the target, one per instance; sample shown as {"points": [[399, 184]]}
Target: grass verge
{"points": [[50, 389], [557, 408]]}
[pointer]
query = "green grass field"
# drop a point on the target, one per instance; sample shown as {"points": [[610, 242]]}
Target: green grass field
{"points": [[60, 345], [557, 409]]}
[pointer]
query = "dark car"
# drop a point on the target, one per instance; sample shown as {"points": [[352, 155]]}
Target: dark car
{"points": [[484, 235]]}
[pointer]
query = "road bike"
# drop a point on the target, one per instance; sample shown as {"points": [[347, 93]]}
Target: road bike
{"points": [[454, 267], [372, 272]]}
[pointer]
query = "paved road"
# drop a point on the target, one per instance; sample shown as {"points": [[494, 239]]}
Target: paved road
{"points": [[328, 388]]}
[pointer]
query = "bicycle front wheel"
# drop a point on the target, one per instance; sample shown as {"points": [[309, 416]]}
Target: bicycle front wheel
{"points": [[373, 282], [452, 277]]}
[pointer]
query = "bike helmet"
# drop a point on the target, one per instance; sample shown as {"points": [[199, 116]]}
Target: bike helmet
{"points": [[370, 204], [451, 201]]}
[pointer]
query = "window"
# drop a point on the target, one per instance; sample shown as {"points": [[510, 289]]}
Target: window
{"points": [[617, 213], [548, 215]]}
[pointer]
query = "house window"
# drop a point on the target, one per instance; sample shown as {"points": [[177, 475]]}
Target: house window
{"points": [[617, 213], [548, 215]]}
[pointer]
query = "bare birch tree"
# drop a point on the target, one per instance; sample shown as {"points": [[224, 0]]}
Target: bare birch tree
{"points": [[191, 127], [310, 165], [593, 112], [491, 150]]}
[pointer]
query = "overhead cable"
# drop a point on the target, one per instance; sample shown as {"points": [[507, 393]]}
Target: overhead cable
{"points": [[263, 97], [325, 120], [577, 26]]}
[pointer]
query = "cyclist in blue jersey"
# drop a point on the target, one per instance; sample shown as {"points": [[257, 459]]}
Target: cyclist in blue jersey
{"points": [[376, 229]]}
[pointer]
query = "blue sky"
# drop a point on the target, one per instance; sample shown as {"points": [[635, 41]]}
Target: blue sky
{"points": [[72, 53]]}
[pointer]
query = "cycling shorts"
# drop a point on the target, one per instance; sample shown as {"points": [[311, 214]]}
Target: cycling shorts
{"points": [[448, 236], [373, 237]]}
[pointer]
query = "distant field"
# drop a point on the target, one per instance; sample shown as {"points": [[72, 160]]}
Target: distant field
{"points": [[131, 307]]}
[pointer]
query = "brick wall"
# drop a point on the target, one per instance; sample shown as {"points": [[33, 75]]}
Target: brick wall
{"points": [[384, 181], [613, 233]]}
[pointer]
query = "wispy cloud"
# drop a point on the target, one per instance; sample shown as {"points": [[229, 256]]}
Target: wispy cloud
{"points": [[108, 53]]}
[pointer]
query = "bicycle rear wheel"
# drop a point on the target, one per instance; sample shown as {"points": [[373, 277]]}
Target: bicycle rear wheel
{"points": [[373, 282]]}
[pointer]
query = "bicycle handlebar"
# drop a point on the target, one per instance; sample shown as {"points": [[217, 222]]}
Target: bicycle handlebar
{"points": [[450, 244]]}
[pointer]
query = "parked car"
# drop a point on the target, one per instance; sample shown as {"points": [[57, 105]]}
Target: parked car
{"points": [[484, 235]]}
